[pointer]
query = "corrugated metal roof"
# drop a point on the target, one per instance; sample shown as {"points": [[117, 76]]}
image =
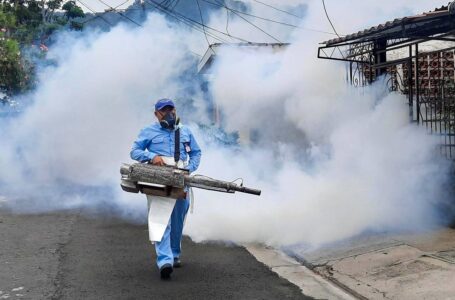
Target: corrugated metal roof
{"points": [[399, 22]]}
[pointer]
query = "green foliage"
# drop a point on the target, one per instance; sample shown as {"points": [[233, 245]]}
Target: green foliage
{"points": [[12, 73], [7, 20], [72, 11], [27, 24], [76, 26], [54, 4]]}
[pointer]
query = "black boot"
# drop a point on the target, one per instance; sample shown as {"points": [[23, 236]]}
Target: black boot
{"points": [[166, 271]]}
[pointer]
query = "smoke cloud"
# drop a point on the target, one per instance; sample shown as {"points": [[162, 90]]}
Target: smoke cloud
{"points": [[332, 160]]}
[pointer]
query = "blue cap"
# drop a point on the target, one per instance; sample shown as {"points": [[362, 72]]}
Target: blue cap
{"points": [[162, 103]]}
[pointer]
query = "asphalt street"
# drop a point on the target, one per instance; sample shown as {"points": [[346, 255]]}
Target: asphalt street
{"points": [[67, 255]]}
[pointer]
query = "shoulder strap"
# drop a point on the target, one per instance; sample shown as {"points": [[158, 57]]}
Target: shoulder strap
{"points": [[177, 146]]}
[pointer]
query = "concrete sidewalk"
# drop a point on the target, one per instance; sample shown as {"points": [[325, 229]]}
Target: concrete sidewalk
{"points": [[400, 266]]}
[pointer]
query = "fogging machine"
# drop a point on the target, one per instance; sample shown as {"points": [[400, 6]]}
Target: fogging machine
{"points": [[169, 181]]}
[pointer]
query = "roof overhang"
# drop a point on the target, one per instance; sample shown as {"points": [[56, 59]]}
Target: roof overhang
{"points": [[207, 60], [399, 33]]}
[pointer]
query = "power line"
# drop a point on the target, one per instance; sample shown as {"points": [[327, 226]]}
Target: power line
{"points": [[269, 20], [202, 21], [114, 9], [227, 22], [166, 3], [195, 24], [122, 3], [275, 8], [328, 18], [93, 11], [128, 18], [252, 24], [175, 4], [203, 28], [121, 14], [191, 23], [251, 15], [98, 16]]}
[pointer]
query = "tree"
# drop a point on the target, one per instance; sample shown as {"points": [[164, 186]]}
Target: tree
{"points": [[26, 25], [11, 70], [7, 21], [12, 73], [72, 11], [48, 8]]}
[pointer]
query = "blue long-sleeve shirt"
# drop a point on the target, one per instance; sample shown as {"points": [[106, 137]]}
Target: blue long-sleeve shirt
{"points": [[154, 140]]}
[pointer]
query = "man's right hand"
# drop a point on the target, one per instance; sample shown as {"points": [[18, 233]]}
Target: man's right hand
{"points": [[157, 161]]}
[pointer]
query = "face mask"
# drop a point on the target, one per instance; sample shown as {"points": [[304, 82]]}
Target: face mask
{"points": [[169, 121]]}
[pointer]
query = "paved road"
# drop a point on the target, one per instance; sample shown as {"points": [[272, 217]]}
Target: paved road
{"points": [[69, 256]]}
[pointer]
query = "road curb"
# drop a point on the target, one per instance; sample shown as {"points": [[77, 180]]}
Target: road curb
{"points": [[310, 283]]}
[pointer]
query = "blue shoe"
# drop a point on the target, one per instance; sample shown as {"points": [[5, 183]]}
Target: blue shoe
{"points": [[166, 271]]}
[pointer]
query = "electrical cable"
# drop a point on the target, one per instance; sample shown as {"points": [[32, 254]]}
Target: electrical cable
{"points": [[240, 178], [122, 3], [114, 8], [202, 21], [93, 11], [175, 4], [98, 16], [182, 19], [246, 14], [251, 15], [157, 7], [328, 18], [252, 24], [275, 8], [269, 20], [117, 12], [195, 24], [210, 178], [165, 3], [227, 22]]}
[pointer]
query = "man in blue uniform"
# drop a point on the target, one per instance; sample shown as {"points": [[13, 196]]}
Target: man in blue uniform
{"points": [[156, 145]]}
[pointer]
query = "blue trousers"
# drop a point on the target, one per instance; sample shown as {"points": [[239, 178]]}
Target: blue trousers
{"points": [[170, 245]]}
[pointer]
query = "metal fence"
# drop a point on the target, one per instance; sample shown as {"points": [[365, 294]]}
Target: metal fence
{"points": [[428, 80]]}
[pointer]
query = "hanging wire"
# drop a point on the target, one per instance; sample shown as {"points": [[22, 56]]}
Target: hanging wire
{"points": [[99, 15], [175, 4], [194, 24], [275, 8], [267, 19], [93, 11], [165, 3], [114, 9], [241, 181], [121, 4], [328, 18], [210, 178], [203, 28], [248, 14], [252, 24], [227, 22], [187, 21], [121, 14]]}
